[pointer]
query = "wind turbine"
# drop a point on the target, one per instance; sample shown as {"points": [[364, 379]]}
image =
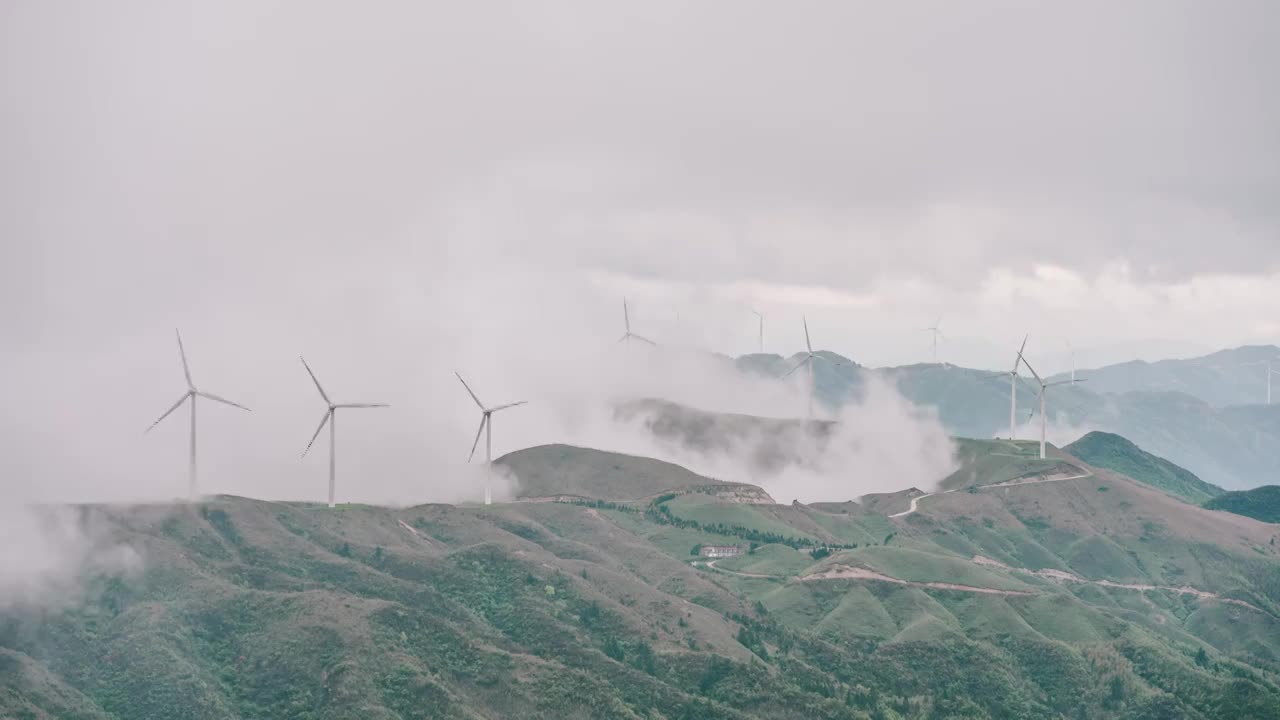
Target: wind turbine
{"points": [[1013, 390], [936, 329], [1270, 371], [1044, 386], [809, 357], [761, 316], [486, 426], [628, 335], [331, 417], [191, 394]]}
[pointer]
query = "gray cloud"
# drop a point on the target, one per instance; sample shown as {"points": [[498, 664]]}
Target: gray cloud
{"points": [[402, 189]]}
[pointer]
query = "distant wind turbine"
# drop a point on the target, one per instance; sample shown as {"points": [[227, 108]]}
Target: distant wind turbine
{"points": [[936, 329], [1013, 390], [1270, 363], [807, 360], [761, 316], [331, 417], [486, 426], [1044, 386], [1270, 371], [628, 335], [191, 394]]}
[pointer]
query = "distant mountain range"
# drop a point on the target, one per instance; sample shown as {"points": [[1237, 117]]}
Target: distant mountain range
{"points": [[1223, 378], [1178, 409]]}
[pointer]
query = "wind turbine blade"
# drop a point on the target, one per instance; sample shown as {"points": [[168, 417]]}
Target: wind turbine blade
{"points": [[211, 396], [1033, 370], [166, 414], [183, 351], [1018, 359], [483, 419], [798, 365], [624, 337], [806, 334], [642, 338], [937, 324], [323, 421], [626, 316], [314, 380], [508, 405], [362, 405], [1035, 404], [468, 387]]}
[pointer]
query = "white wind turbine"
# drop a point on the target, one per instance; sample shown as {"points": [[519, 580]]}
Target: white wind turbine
{"points": [[807, 360], [936, 329], [1044, 386], [1013, 390], [628, 335], [486, 426], [761, 316], [191, 394], [331, 417], [1270, 371]]}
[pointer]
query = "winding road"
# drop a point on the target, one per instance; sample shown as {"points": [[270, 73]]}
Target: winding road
{"points": [[915, 501]]}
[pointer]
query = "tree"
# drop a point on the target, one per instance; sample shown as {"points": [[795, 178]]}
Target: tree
{"points": [[697, 549], [345, 550]]}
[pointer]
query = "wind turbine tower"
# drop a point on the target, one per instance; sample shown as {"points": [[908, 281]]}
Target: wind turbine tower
{"points": [[331, 417], [936, 330], [1044, 387], [1270, 371], [486, 427], [760, 315], [807, 360], [191, 395]]}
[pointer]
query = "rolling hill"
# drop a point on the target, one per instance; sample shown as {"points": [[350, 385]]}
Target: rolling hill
{"points": [[1259, 503], [1019, 590], [563, 470], [1113, 452]]}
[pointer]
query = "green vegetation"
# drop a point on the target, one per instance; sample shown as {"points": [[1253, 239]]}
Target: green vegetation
{"points": [[553, 470], [1112, 452], [591, 608], [1261, 503]]}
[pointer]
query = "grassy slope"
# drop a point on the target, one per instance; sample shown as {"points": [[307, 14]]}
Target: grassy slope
{"points": [[1259, 503], [1113, 452], [566, 470], [255, 609]]}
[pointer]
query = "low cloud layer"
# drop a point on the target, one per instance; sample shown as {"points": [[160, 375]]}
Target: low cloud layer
{"points": [[48, 555], [476, 188]]}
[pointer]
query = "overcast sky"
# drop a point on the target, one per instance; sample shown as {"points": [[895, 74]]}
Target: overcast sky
{"points": [[399, 189]]}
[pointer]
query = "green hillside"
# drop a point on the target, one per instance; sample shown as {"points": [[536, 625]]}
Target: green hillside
{"points": [[1113, 452], [1061, 596], [1259, 503], [552, 470]]}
